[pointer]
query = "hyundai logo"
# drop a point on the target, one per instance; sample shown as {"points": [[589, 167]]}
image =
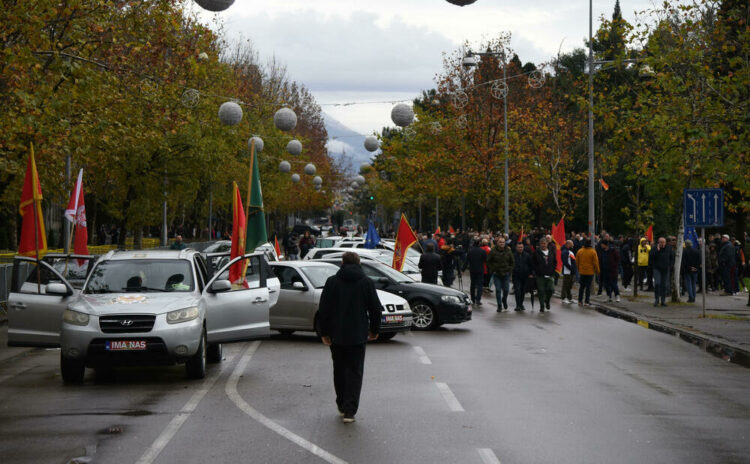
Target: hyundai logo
{"points": [[126, 322]]}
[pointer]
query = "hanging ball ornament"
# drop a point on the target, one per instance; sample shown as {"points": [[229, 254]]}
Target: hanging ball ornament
{"points": [[202, 56], [295, 178], [359, 180], [409, 133], [402, 115], [384, 175], [294, 147], [230, 113], [309, 169], [317, 186], [499, 89], [435, 127], [215, 5], [371, 143], [354, 185], [284, 166], [462, 122], [190, 98], [461, 2], [317, 180], [258, 143], [285, 119], [536, 79], [459, 99]]}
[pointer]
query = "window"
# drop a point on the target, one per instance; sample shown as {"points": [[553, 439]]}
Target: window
{"points": [[33, 278], [287, 276], [141, 276], [252, 274]]}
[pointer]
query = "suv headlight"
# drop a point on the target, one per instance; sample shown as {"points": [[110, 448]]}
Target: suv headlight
{"points": [[182, 315], [75, 318], [452, 299]]}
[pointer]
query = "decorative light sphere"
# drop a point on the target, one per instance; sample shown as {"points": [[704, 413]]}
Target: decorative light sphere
{"points": [[371, 143], [285, 119], [215, 5], [284, 166], [230, 113], [354, 185], [295, 178], [294, 147], [202, 56], [310, 169], [360, 180], [402, 115], [461, 2], [317, 180], [258, 143], [317, 186]]}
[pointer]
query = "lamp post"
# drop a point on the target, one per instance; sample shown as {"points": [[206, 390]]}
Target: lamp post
{"points": [[470, 61]]}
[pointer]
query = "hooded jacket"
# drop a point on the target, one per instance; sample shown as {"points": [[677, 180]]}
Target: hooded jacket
{"points": [[349, 307]]}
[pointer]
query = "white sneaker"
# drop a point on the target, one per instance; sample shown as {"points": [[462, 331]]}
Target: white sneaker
{"points": [[566, 301], [617, 299]]}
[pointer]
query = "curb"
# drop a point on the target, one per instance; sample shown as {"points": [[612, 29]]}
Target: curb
{"points": [[725, 350]]}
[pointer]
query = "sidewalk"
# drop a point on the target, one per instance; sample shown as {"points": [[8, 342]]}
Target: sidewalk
{"points": [[724, 332]]}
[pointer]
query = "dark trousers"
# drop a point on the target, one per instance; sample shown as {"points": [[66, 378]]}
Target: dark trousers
{"points": [[567, 286], [477, 279], [585, 287], [348, 368], [519, 287], [661, 285], [448, 277], [627, 274]]}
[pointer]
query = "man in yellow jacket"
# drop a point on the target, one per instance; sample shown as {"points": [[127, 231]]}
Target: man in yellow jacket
{"points": [[588, 266], [644, 249]]}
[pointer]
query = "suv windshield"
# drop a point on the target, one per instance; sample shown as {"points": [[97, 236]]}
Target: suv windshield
{"points": [[142, 276]]}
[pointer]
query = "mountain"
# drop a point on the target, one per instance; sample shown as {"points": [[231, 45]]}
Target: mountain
{"points": [[345, 145]]}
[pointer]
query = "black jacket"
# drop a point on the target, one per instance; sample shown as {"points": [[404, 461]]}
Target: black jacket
{"points": [[523, 267], [430, 264], [349, 307], [727, 255], [544, 266], [661, 260], [691, 260], [475, 259]]}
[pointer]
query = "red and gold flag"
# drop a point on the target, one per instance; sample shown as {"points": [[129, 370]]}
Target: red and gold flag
{"points": [[33, 238], [650, 233], [405, 238], [239, 224], [451, 230], [605, 185], [558, 236]]}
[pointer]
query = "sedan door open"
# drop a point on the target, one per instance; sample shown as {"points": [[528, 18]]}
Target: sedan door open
{"points": [[238, 312]]}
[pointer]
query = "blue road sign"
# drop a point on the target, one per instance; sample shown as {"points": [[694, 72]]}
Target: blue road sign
{"points": [[704, 207]]}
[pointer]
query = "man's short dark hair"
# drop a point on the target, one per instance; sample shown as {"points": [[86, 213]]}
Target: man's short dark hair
{"points": [[350, 257], [429, 248], [587, 242]]}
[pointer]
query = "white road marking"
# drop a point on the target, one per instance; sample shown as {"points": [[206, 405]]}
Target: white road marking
{"points": [[488, 456], [449, 397], [174, 425], [422, 355], [5, 377], [231, 390]]}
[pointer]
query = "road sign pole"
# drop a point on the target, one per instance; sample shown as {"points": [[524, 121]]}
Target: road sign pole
{"points": [[703, 269]]}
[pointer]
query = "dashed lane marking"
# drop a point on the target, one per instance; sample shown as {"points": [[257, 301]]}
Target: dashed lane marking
{"points": [[449, 397], [231, 390], [488, 456], [422, 355]]}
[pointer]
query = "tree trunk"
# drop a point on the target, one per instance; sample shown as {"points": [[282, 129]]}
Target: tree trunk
{"points": [[678, 260]]}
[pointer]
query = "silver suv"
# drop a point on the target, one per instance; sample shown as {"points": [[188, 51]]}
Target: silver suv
{"points": [[152, 307]]}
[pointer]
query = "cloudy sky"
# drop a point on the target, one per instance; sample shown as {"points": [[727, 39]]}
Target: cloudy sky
{"points": [[349, 51]]}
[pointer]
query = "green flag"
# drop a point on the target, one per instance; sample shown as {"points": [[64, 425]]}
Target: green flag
{"points": [[256, 219]]}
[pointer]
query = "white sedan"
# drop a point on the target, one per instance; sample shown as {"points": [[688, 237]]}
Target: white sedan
{"points": [[301, 285]]}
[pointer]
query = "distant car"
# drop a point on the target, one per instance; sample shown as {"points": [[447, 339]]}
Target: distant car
{"points": [[301, 286], [302, 228], [432, 305], [383, 256], [144, 307]]}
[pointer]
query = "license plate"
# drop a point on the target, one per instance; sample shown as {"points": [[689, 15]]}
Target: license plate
{"points": [[125, 345], [398, 318]]}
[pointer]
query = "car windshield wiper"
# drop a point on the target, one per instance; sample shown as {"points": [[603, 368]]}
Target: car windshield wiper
{"points": [[140, 289]]}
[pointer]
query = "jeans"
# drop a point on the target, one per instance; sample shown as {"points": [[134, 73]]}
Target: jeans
{"points": [[546, 287], [502, 288], [661, 284], [610, 285], [567, 286], [585, 286], [519, 286], [691, 278], [477, 280], [348, 369]]}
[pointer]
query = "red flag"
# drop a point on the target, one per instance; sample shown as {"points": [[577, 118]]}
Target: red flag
{"points": [[76, 213], [605, 185], [276, 246], [451, 230], [239, 224], [650, 233], [33, 238], [437, 231], [520, 238], [405, 237], [558, 236]]}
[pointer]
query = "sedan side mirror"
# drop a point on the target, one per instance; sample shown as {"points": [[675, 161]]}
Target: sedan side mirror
{"points": [[57, 289], [221, 286], [299, 286], [384, 280]]}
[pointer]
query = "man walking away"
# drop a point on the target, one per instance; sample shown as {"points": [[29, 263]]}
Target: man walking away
{"points": [[545, 263], [588, 266], [476, 259], [500, 264], [349, 316], [569, 270], [448, 263], [522, 271], [626, 260], [726, 263], [691, 263], [430, 264], [661, 259], [609, 263]]}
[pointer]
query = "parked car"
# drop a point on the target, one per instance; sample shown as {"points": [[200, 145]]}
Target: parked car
{"points": [[383, 256], [216, 261], [301, 285], [432, 305], [145, 307]]}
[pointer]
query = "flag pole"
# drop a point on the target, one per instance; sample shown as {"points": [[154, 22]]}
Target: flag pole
{"points": [[34, 188], [70, 243]]}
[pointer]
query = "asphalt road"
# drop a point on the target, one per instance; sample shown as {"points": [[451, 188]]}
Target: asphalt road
{"points": [[571, 386]]}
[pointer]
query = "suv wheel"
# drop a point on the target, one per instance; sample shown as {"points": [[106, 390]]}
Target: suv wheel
{"points": [[72, 369], [195, 367], [214, 353], [425, 317]]}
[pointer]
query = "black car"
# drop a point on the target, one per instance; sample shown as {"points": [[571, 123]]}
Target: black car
{"points": [[432, 305], [302, 228]]}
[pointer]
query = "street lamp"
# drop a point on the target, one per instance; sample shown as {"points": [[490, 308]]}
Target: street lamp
{"points": [[469, 61]]}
